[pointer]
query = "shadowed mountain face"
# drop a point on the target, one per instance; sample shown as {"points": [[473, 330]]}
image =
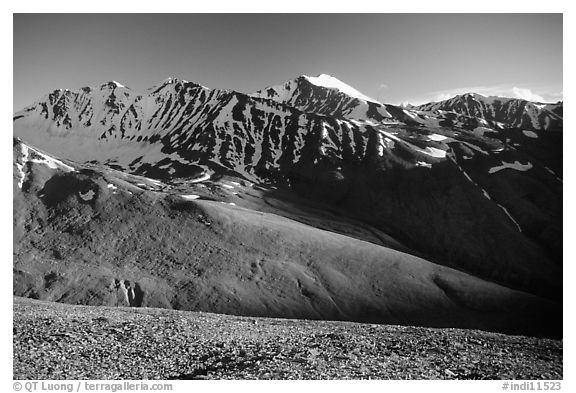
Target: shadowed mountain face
{"points": [[473, 196]]}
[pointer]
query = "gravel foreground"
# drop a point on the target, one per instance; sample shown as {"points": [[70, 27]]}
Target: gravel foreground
{"points": [[60, 341]]}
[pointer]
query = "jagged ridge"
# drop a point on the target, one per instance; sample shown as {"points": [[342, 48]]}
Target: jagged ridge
{"points": [[508, 112]]}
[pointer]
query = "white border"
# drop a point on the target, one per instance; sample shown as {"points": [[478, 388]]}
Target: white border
{"points": [[228, 6]]}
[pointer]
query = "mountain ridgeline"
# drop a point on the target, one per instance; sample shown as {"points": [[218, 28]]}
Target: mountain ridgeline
{"points": [[178, 123], [473, 183], [506, 112]]}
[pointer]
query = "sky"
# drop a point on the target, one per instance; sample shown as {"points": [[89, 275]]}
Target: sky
{"points": [[395, 58]]}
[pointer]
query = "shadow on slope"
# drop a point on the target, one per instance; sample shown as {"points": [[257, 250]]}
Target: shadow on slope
{"points": [[149, 249]]}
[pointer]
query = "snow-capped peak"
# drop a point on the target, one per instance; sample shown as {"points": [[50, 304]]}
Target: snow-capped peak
{"points": [[111, 85], [170, 79], [330, 82], [472, 94]]}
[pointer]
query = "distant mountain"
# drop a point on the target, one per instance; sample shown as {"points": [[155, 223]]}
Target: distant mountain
{"points": [[455, 188], [505, 112], [179, 127], [326, 95]]}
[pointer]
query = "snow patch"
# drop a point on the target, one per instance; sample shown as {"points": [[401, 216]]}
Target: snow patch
{"points": [[511, 165], [22, 165], [228, 186], [51, 162], [530, 134], [553, 173], [510, 217], [430, 151], [88, 196], [190, 197], [43, 159], [202, 178], [424, 164], [437, 137], [434, 152], [485, 194], [409, 114]]}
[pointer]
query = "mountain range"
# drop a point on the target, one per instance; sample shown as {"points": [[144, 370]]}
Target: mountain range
{"points": [[306, 199]]}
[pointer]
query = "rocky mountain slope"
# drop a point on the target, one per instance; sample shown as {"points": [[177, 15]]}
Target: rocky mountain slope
{"points": [[296, 197], [57, 341], [503, 112]]}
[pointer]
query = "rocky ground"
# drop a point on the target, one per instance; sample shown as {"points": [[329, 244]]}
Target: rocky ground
{"points": [[59, 341]]}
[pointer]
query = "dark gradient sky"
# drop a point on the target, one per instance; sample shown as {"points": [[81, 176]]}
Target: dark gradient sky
{"points": [[392, 57]]}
